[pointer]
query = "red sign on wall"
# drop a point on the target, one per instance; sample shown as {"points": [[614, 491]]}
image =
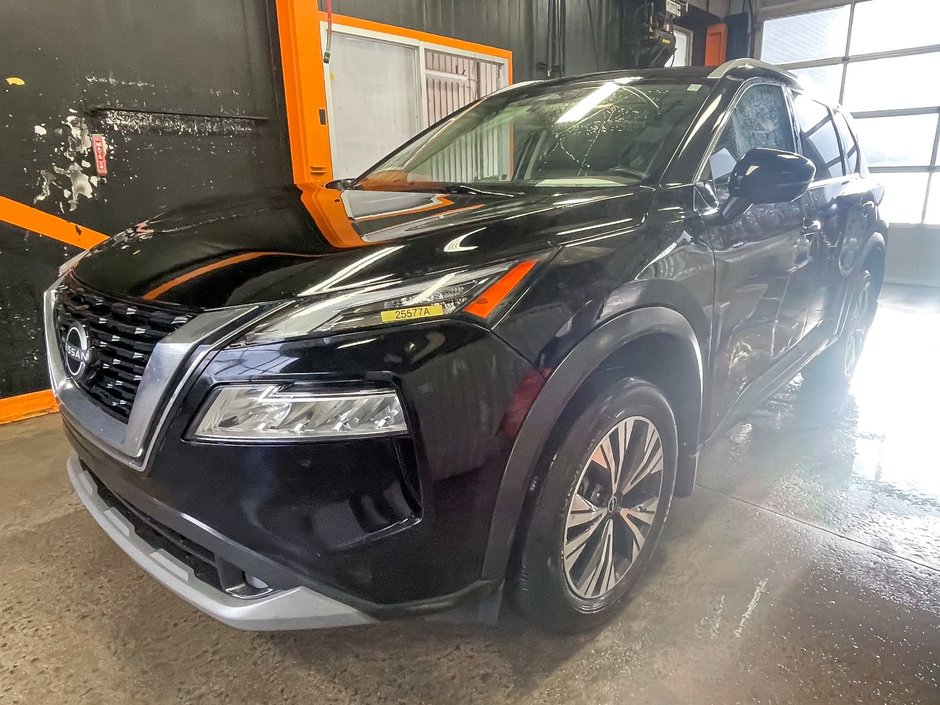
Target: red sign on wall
{"points": [[100, 148]]}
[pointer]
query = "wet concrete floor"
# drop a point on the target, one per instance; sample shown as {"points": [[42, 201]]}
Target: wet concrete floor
{"points": [[804, 569]]}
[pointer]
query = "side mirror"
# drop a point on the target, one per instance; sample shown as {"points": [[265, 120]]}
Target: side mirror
{"points": [[764, 176], [339, 184]]}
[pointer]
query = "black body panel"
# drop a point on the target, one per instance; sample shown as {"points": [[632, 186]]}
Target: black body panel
{"points": [[268, 247]]}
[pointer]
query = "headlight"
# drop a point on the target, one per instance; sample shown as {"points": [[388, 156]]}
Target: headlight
{"points": [[478, 292], [275, 412]]}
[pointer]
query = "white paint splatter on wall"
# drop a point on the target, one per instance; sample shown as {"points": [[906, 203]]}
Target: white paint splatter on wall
{"points": [[66, 183]]}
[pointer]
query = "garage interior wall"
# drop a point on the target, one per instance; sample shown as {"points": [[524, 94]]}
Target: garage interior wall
{"points": [[593, 39], [844, 49], [184, 98], [520, 26], [115, 110]]}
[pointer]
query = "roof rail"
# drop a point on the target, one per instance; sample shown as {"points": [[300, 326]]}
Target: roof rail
{"points": [[752, 67]]}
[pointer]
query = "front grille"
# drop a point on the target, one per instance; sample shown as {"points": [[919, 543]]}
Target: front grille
{"points": [[121, 335]]}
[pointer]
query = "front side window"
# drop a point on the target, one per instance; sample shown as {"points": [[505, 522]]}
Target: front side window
{"points": [[588, 134], [818, 137], [760, 119]]}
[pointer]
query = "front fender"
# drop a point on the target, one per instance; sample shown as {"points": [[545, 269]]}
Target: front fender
{"points": [[565, 381]]}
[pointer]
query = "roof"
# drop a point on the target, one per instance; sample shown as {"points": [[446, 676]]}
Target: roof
{"points": [[738, 68], [746, 68]]}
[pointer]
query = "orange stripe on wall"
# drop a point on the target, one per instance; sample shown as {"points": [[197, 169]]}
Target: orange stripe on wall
{"points": [[30, 218], [26, 406], [15, 213]]}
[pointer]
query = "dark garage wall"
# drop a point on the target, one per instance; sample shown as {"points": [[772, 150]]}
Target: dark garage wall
{"points": [[187, 96]]}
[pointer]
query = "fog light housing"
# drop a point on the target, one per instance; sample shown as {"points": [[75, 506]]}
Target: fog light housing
{"points": [[283, 413]]}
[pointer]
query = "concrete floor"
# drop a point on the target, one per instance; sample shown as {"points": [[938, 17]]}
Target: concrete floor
{"points": [[804, 569]]}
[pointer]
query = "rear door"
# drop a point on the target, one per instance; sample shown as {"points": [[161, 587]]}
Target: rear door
{"points": [[827, 207], [759, 314]]}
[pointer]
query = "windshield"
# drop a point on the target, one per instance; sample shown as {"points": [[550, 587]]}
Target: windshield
{"points": [[589, 134]]}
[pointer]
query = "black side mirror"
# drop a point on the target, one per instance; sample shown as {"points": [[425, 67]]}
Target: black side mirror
{"points": [[764, 176], [339, 184]]}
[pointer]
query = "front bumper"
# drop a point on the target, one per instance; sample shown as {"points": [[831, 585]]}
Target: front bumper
{"points": [[376, 528], [372, 527], [295, 608]]}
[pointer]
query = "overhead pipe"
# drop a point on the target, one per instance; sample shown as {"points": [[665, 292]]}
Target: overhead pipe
{"points": [[555, 45], [549, 40]]}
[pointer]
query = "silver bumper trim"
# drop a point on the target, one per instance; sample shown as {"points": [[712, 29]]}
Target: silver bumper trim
{"points": [[297, 608]]}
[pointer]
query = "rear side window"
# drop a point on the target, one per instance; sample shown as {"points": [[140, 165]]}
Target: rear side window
{"points": [[760, 119], [818, 137], [849, 143]]}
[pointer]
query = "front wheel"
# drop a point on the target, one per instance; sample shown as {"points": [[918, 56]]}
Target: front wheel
{"points": [[600, 509]]}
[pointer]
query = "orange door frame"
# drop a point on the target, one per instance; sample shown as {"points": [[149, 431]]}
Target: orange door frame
{"points": [[305, 84], [716, 44], [306, 107]]}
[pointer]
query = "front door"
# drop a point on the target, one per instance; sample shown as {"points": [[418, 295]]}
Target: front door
{"points": [[759, 311]]}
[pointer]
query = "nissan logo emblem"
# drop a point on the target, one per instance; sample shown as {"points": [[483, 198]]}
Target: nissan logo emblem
{"points": [[78, 352]]}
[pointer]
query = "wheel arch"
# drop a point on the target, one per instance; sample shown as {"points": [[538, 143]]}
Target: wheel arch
{"points": [[875, 254], [653, 341]]}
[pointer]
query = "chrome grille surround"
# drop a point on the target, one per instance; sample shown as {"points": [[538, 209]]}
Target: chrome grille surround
{"points": [[166, 374]]}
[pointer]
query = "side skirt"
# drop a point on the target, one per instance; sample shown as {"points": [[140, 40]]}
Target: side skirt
{"points": [[782, 371]]}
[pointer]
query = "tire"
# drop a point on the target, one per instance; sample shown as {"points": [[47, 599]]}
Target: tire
{"points": [[835, 366], [567, 586]]}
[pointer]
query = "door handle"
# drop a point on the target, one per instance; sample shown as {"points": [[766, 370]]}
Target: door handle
{"points": [[811, 228]]}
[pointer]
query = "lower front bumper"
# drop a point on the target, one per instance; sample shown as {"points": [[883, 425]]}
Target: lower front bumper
{"points": [[294, 608]]}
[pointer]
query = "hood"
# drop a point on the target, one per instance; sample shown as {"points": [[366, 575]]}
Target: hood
{"points": [[274, 245]]}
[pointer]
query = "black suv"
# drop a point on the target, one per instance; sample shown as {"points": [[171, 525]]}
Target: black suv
{"points": [[489, 362]]}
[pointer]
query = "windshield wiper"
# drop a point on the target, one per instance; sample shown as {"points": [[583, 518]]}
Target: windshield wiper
{"points": [[472, 190]]}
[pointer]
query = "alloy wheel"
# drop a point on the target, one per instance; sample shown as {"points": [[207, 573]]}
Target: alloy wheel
{"points": [[613, 508], [858, 323]]}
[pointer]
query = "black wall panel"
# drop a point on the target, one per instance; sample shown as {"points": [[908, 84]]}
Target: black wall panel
{"points": [[28, 264], [188, 97]]}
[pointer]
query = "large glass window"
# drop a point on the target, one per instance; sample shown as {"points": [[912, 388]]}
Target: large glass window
{"points": [[825, 82], [892, 83], [813, 35], [880, 59], [903, 140], [933, 203], [886, 25], [904, 197]]}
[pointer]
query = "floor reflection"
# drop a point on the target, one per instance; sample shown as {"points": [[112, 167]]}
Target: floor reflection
{"points": [[862, 463]]}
